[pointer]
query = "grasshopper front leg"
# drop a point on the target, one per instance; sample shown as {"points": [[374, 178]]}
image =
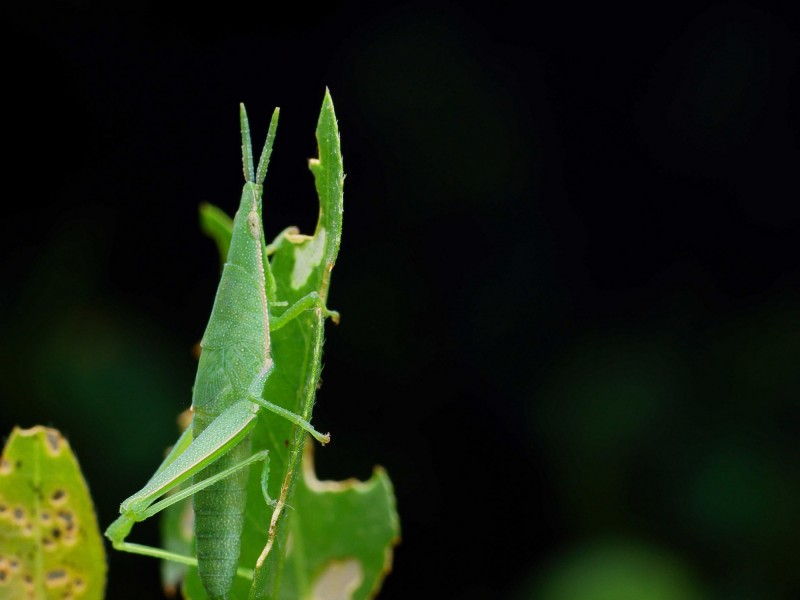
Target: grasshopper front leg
{"points": [[309, 301]]}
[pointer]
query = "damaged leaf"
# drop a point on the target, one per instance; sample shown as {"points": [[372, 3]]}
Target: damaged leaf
{"points": [[341, 536], [50, 545]]}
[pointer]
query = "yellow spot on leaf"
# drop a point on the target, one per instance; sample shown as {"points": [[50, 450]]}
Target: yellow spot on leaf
{"points": [[338, 580], [307, 257]]}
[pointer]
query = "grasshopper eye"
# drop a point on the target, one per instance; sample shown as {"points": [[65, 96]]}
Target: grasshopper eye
{"points": [[253, 223]]}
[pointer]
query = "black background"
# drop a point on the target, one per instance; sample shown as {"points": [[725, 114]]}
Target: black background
{"points": [[569, 275]]}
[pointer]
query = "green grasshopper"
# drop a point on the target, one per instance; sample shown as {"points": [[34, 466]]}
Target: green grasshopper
{"points": [[235, 364]]}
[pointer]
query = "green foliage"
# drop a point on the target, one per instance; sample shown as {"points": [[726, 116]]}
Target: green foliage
{"points": [[617, 570], [341, 534], [361, 525], [50, 545], [216, 225]]}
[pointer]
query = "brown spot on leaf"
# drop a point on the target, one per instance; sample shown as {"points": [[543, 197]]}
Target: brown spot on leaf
{"points": [[68, 518], [53, 441], [55, 578], [18, 515], [58, 497], [5, 467]]}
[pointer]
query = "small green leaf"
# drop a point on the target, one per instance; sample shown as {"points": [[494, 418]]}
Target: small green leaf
{"points": [[50, 545], [218, 226], [341, 536]]}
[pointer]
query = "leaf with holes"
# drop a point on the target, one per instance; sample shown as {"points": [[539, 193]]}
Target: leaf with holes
{"points": [[50, 545], [341, 536]]}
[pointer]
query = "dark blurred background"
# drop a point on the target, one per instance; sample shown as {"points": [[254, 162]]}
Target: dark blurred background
{"points": [[569, 276]]}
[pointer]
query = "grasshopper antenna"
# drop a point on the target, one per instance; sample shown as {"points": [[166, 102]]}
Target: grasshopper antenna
{"points": [[263, 162], [247, 146]]}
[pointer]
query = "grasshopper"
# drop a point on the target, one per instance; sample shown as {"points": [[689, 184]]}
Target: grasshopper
{"points": [[235, 364]]}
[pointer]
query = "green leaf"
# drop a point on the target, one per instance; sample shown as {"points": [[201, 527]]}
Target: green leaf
{"points": [[218, 226], [300, 267], [50, 545], [342, 536]]}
